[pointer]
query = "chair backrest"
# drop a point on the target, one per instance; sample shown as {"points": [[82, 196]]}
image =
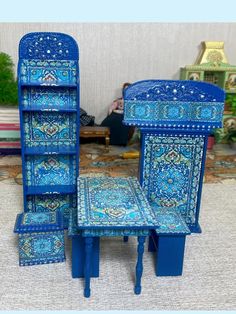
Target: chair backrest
{"points": [[173, 104], [175, 118]]}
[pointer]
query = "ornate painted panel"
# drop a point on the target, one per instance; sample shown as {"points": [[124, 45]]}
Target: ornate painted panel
{"points": [[52, 203], [113, 202], [174, 104], [46, 98], [52, 129], [174, 113], [171, 172], [41, 248], [50, 170], [49, 46], [48, 72]]}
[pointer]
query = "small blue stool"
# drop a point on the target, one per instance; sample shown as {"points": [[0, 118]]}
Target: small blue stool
{"points": [[41, 238]]}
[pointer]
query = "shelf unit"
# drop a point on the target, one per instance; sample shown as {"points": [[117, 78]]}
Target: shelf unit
{"points": [[48, 84]]}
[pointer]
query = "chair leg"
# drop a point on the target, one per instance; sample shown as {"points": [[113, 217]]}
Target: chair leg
{"points": [[88, 252], [139, 265]]}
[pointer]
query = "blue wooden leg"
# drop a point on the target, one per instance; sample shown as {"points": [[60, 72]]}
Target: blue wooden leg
{"points": [[78, 257], [139, 265], [88, 253], [170, 255], [126, 238]]}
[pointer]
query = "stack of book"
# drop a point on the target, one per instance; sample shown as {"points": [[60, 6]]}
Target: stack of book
{"points": [[9, 131]]}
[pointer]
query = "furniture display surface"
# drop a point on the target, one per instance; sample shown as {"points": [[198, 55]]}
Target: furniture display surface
{"points": [[48, 81], [96, 131], [212, 66], [175, 119], [41, 238], [108, 207]]}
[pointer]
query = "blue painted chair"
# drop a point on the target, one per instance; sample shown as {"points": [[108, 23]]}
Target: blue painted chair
{"points": [[175, 119]]}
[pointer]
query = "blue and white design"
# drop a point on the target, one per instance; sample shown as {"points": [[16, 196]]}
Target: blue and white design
{"points": [[41, 238], [49, 129], [51, 170], [38, 222], [38, 219], [52, 203], [49, 46], [48, 99], [41, 248], [48, 72], [170, 222], [113, 202], [174, 105], [170, 90], [156, 113], [171, 172]]}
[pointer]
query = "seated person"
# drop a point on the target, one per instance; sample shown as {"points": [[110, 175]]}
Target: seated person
{"points": [[119, 133]]}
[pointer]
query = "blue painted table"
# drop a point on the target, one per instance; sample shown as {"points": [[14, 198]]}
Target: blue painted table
{"points": [[110, 207]]}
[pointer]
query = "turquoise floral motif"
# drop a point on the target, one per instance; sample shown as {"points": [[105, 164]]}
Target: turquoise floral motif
{"points": [[113, 202], [172, 167], [41, 248], [48, 170], [47, 98], [170, 222], [52, 203], [48, 72], [172, 112], [39, 218], [54, 129]]}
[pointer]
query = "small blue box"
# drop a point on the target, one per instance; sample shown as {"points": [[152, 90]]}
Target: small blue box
{"points": [[41, 238]]}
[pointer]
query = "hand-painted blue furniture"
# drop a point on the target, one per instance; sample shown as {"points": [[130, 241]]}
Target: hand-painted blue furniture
{"points": [[175, 119], [41, 238], [48, 81], [168, 241], [109, 207]]}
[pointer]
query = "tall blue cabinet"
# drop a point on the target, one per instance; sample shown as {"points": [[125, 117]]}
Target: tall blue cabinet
{"points": [[48, 83]]}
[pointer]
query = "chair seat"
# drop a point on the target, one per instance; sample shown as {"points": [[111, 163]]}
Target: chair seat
{"points": [[170, 222]]}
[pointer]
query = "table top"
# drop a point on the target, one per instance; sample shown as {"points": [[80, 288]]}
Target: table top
{"points": [[108, 202]]}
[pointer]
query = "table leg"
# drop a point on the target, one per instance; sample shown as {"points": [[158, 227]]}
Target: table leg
{"points": [[88, 253], [139, 265]]}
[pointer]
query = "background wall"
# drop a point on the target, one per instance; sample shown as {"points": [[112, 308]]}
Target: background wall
{"points": [[114, 53]]}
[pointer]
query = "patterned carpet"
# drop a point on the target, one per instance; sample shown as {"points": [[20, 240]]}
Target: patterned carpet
{"points": [[95, 161]]}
